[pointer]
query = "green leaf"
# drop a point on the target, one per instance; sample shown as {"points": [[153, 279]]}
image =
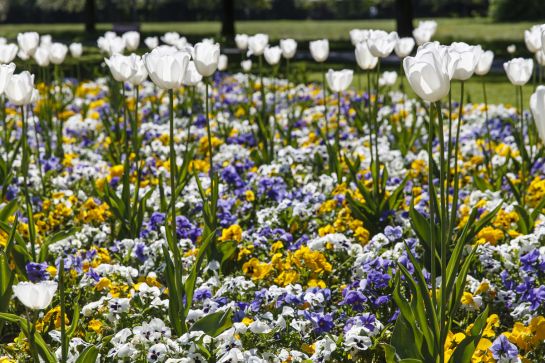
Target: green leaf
{"points": [[213, 324], [43, 349], [89, 355]]}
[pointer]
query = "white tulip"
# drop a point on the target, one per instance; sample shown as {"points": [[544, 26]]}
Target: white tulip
{"points": [[241, 41], [485, 63], [192, 77], [151, 42], [41, 56], [339, 81], [23, 55], [222, 62], [170, 38], [166, 68], [35, 296], [57, 53], [381, 44], [424, 31], [8, 52], [121, 67], [6, 71], [28, 42], [358, 35], [257, 44], [289, 47], [469, 56], [76, 50], [46, 40], [429, 72], [272, 55], [532, 38], [364, 57], [537, 105], [246, 65], [511, 49], [519, 70], [140, 72], [540, 58], [404, 47], [206, 57], [319, 50], [131, 40], [387, 79]]}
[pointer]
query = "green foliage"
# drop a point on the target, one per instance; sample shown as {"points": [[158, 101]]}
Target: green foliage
{"points": [[509, 10]]}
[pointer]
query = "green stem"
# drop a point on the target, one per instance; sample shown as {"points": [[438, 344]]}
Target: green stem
{"points": [[522, 145], [489, 138], [376, 129], [25, 165], [32, 330], [324, 92], [369, 118], [64, 342], [209, 133]]}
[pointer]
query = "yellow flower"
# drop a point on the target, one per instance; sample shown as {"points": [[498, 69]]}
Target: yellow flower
{"points": [[233, 233], [276, 246], [103, 283], [326, 230], [95, 325], [116, 171], [55, 315], [256, 269], [247, 321], [250, 196], [287, 277], [490, 235], [317, 283]]}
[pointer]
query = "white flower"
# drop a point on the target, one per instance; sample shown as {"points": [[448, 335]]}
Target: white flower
{"points": [[151, 42], [206, 57], [246, 65], [132, 40], [319, 50], [257, 44], [241, 41], [289, 47], [35, 296], [339, 81], [519, 70], [272, 55], [76, 50]]}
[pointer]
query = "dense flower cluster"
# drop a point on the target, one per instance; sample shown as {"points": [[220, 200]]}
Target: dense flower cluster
{"points": [[299, 265]]}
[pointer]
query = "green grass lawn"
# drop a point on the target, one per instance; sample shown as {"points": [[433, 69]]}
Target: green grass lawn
{"points": [[472, 30], [495, 36]]}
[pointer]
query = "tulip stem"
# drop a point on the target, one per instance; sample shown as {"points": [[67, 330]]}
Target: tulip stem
{"points": [[25, 166], [522, 145], [324, 91], [5, 123], [488, 137], [31, 323], [376, 129], [369, 118], [431, 198], [209, 133], [64, 345]]}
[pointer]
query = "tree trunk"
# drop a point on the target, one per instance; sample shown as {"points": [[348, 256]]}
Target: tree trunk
{"points": [[90, 19], [404, 17], [228, 19]]}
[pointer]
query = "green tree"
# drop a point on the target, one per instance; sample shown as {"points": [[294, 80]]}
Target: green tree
{"points": [[89, 7], [228, 9]]}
